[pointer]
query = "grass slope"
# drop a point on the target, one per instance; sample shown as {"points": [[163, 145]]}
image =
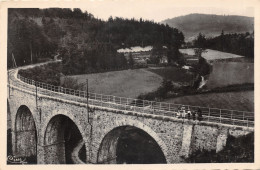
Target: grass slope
{"points": [[126, 83], [225, 74], [211, 54], [172, 73], [243, 101]]}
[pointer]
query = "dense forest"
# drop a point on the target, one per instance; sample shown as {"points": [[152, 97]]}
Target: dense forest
{"points": [[240, 44], [84, 42]]}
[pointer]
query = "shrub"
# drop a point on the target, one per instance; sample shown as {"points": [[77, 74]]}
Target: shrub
{"points": [[239, 149], [49, 73], [160, 93], [72, 83]]}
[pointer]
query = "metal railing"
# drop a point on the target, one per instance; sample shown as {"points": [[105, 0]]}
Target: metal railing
{"points": [[232, 117]]}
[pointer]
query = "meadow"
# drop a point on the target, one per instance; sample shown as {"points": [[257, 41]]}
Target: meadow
{"points": [[224, 74], [211, 54], [172, 73], [243, 101], [132, 83], [125, 83]]}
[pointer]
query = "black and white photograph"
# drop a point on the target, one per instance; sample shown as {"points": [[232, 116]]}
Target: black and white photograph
{"points": [[130, 82]]}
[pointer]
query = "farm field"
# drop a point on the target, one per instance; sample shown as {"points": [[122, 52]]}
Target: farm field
{"points": [[243, 101], [211, 54], [126, 83], [224, 74]]}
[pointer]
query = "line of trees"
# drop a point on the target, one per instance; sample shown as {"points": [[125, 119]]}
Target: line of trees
{"points": [[240, 44], [81, 39]]}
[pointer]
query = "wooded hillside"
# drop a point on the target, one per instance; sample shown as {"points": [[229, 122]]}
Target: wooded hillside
{"points": [[210, 25], [84, 42]]}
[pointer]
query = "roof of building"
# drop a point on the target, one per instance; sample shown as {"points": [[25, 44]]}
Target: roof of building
{"points": [[135, 49]]}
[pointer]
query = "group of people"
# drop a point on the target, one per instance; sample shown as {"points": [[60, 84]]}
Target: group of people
{"points": [[195, 115]]}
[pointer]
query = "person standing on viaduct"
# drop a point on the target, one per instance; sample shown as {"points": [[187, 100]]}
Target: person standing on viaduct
{"points": [[199, 112], [193, 115]]}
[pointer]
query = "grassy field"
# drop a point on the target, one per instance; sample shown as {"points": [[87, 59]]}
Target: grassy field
{"points": [[132, 83], [243, 101], [126, 83], [172, 73], [211, 54], [229, 73]]}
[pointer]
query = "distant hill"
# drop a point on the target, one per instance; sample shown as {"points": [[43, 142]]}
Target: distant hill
{"points": [[210, 25]]}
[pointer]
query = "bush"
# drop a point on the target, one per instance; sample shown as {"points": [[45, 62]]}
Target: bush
{"points": [[72, 83], [160, 93], [49, 73], [239, 149], [202, 68]]}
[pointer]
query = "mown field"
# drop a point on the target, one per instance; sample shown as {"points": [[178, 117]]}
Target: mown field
{"points": [[243, 101], [126, 83], [224, 74], [211, 54]]}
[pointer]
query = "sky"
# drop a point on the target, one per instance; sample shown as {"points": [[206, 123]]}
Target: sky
{"points": [[160, 10]]}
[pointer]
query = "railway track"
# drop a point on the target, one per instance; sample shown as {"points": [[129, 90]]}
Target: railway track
{"points": [[232, 117]]}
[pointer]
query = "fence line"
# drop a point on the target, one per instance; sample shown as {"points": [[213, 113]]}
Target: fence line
{"points": [[233, 117]]}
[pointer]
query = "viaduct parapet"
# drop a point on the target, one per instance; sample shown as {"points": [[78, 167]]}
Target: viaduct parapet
{"points": [[41, 126]]}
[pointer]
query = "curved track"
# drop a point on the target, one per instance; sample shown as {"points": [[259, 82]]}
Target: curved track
{"points": [[238, 118]]}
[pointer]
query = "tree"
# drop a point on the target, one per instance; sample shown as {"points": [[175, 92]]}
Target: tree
{"points": [[62, 27], [28, 41], [77, 13], [200, 44], [198, 52], [200, 41], [241, 44], [222, 40], [131, 61], [157, 54]]}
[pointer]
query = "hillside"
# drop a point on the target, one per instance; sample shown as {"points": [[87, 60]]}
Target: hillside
{"points": [[210, 25], [243, 100], [125, 83], [85, 43]]}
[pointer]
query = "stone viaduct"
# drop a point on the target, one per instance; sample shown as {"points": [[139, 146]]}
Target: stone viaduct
{"points": [[40, 126]]}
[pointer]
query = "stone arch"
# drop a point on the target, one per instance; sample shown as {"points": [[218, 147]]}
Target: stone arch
{"points": [[107, 146], [82, 126], [60, 136], [25, 134]]}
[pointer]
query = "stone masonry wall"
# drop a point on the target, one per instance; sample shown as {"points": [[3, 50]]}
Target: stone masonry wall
{"points": [[167, 134], [176, 138]]}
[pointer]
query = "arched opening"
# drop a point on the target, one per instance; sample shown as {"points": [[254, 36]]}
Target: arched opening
{"points": [[62, 141], [8, 116], [9, 134], [26, 135], [129, 145]]}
